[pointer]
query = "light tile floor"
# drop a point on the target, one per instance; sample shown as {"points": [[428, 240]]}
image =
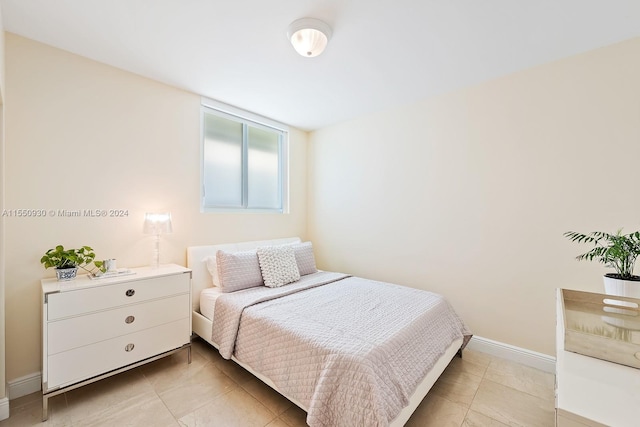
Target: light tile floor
{"points": [[476, 390]]}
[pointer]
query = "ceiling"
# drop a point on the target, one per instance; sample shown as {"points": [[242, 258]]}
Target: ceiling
{"points": [[383, 53]]}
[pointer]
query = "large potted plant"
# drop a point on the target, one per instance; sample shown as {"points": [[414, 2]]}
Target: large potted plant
{"points": [[618, 251], [67, 261]]}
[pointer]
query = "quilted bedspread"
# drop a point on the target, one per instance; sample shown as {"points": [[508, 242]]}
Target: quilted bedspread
{"points": [[351, 350]]}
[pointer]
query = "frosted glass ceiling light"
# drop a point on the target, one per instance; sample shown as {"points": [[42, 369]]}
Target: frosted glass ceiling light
{"points": [[309, 36]]}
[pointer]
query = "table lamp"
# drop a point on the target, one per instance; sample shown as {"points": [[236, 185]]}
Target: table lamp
{"points": [[157, 224]]}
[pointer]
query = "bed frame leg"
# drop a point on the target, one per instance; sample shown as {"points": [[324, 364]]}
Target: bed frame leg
{"points": [[459, 353]]}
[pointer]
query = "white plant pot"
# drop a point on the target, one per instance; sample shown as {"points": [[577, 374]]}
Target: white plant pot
{"points": [[623, 288]]}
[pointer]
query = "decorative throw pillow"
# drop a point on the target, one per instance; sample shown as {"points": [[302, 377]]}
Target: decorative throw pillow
{"points": [[278, 265], [238, 270], [304, 258]]}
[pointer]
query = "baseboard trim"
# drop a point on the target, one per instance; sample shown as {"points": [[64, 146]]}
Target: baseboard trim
{"points": [[24, 385], [530, 358], [4, 408]]}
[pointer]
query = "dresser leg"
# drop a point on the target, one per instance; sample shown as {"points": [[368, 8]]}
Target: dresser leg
{"points": [[45, 407], [189, 354]]}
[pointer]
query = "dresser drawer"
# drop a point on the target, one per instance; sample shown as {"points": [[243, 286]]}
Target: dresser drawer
{"points": [[75, 365], [78, 331], [80, 301]]}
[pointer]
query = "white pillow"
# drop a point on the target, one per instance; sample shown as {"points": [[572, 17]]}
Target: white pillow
{"points": [[212, 266], [238, 270], [304, 258], [278, 265]]}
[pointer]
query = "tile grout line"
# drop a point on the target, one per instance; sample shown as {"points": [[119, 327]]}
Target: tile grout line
{"points": [[178, 423], [475, 393]]}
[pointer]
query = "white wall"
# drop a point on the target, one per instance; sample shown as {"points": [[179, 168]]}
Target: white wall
{"points": [[468, 194], [83, 135]]}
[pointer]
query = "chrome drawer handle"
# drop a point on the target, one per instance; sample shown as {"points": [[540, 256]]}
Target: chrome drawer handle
{"points": [[129, 319], [129, 347], [130, 292]]}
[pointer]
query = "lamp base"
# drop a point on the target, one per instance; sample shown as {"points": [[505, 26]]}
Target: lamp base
{"points": [[156, 253]]}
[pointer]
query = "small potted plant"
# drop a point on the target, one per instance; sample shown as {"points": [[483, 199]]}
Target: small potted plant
{"points": [[67, 261], [618, 251]]}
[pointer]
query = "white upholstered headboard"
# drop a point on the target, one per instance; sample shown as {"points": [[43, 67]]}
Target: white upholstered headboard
{"points": [[197, 256]]}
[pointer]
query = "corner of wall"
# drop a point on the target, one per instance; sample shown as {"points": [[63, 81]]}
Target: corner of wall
{"points": [[3, 391]]}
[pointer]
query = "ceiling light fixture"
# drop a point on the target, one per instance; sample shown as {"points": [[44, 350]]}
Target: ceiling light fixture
{"points": [[309, 36]]}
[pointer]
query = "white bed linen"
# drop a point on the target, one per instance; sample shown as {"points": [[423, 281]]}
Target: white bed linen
{"points": [[208, 299], [203, 327], [349, 367]]}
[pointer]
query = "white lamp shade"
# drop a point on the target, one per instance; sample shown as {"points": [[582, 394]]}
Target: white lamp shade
{"points": [[309, 36], [157, 223]]}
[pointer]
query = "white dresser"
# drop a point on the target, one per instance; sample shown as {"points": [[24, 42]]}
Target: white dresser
{"points": [[92, 329], [593, 392]]}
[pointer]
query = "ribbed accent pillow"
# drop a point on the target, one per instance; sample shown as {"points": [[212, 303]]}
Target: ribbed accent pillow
{"points": [[238, 270], [278, 265], [304, 258]]}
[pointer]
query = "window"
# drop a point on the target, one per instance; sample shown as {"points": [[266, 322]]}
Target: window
{"points": [[244, 161]]}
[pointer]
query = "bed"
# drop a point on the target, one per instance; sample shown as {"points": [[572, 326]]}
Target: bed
{"points": [[347, 350]]}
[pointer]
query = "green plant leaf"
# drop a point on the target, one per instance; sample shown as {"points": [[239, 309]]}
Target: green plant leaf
{"points": [[61, 258], [617, 251]]}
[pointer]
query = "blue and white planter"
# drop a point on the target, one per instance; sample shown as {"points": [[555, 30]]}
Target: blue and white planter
{"points": [[64, 274]]}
